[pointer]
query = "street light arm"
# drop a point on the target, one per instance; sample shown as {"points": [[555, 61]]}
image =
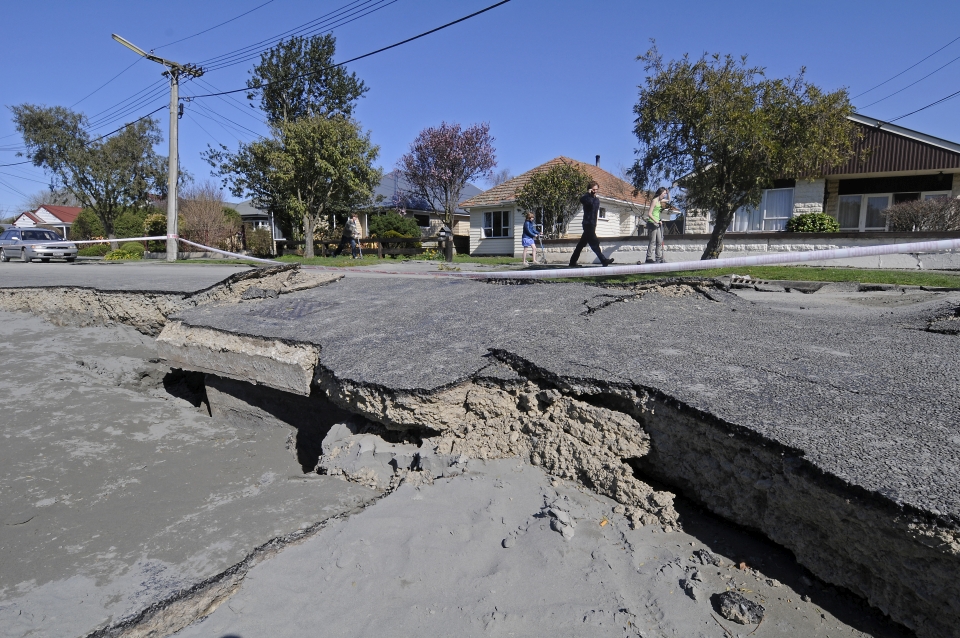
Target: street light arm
{"points": [[139, 51]]}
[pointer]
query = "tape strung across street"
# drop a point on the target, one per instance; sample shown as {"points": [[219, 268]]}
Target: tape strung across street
{"points": [[598, 271]]}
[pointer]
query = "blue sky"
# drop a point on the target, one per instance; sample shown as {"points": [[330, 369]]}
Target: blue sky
{"points": [[553, 77]]}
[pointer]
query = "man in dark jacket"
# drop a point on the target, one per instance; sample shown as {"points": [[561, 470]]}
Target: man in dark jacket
{"points": [[591, 209]]}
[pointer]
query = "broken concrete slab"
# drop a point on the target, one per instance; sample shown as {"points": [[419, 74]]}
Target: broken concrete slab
{"points": [[808, 433], [144, 296], [116, 495]]}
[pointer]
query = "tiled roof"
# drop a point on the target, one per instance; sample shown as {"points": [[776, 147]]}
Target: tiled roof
{"points": [[611, 187], [66, 214]]}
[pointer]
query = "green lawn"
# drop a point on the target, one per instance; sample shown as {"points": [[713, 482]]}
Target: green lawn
{"points": [[805, 273]]}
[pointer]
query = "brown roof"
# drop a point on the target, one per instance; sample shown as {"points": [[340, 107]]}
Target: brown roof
{"points": [[611, 187], [66, 214]]}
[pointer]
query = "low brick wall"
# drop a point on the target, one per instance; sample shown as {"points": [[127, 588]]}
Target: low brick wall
{"points": [[631, 250]]}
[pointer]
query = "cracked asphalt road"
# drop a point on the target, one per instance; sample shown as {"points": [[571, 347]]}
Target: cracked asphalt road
{"points": [[851, 380]]}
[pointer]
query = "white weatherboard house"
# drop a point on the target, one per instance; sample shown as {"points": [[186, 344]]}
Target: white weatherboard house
{"points": [[60, 218], [496, 222]]}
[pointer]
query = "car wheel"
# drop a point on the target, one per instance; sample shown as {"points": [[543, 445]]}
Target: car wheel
{"points": [[69, 259], [3, 256], [23, 257], [46, 261]]}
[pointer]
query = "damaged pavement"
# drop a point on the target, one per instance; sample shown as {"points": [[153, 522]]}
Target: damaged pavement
{"points": [[825, 422]]}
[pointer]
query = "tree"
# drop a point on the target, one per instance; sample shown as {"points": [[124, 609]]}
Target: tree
{"points": [[306, 168], [298, 78], [554, 196], [726, 131], [443, 159], [106, 176], [204, 217], [52, 197], [498, 177], [382, 224]]}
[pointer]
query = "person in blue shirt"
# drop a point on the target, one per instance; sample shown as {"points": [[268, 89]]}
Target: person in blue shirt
{"points": [[529, 237]]}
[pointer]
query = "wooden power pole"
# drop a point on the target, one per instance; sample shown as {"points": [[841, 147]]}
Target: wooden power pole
{"points": [[174, 71]]}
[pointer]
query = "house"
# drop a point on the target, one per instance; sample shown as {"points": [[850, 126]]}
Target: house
{"points": [[256, 218], [496, 221], [891, 164], [58, 218], [394, 192]]}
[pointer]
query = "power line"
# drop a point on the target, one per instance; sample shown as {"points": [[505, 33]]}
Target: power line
{"points": [[220, 115], [339, 22], [213, 27], [29, 179], [367, 55], [306, 25], [104, 84], [920, 80], [923, 108], [907, 69]]}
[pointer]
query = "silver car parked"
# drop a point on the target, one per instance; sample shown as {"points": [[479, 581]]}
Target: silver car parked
{"points": [[28, 244]]}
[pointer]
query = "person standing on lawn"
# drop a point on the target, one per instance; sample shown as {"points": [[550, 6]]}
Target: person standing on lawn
{"points": [[661, 200], [529, 239], [591, 210], [351, 233]]}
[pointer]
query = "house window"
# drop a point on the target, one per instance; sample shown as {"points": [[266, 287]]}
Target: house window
{"points": [[941, 195], [603, 213], [776, 207], [496, 224], [423, 221], [863, 212]]}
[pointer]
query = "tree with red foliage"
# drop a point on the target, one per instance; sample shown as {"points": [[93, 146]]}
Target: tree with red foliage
{"points": [[443, 159]]}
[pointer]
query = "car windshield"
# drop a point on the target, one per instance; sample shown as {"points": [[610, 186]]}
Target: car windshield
{"points": [[41, 235]]}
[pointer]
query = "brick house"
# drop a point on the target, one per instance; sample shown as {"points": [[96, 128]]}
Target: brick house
{"points": [[891, 164]]}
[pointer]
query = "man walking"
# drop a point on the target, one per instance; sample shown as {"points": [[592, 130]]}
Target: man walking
{"points": [[591, 210]]}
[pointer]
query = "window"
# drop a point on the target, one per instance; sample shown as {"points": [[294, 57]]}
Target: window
{"points": [[496, 224], [423, 221], [603, 213], [5, 234], [776, 207], [41, 235], [863, 212], [943, 195]]}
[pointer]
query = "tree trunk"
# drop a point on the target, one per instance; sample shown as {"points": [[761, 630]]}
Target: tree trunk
{"points": [[113, 245], [308, 235], [715, 245]]}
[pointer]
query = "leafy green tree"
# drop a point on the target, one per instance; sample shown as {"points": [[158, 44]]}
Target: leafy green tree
{"points": [[130, 222], [554, 195], [297, 79], [306, 168], [726, 131], [380, 225], [107, 176]]}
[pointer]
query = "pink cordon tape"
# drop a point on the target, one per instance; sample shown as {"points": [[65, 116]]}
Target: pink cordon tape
{"points": [[227, 252], [173, 236], [759, 260]]}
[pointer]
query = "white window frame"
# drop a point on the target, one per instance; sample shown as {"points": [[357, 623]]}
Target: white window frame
{"points": [[864, 201], [925, 195], [505, 228], [758, 216], [602, 213]]}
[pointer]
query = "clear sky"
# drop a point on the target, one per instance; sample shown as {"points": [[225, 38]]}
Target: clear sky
{"points": [[552, 77]]}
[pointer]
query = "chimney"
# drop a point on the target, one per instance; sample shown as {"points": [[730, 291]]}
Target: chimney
{"points": [[598, 160]]}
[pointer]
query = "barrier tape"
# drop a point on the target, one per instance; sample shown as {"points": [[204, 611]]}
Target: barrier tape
{"points": [[726, 262], [609, 271]]}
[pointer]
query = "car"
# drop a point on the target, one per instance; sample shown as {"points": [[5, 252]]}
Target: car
{"points": [[28, 244]]}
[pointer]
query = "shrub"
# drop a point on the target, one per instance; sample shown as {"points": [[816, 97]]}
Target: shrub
{"points": [[938, 214], [86, 226], [155, 225], [94, 250], [118, 255], [403, 226], [259, 243], [204, 217], [813, 223], [130, 223], [133, 247]]}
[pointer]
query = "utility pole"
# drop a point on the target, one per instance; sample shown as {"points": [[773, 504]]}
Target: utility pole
{"points": [[174, 71]]}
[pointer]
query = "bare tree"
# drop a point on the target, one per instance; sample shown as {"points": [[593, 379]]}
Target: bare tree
{"points": [[498, 177], [935, 214], [52, 197], [202, 216]]}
